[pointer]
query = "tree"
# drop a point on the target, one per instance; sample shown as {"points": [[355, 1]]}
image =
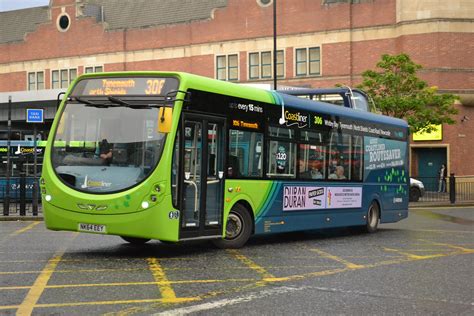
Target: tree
{"points": [[398, 92]]}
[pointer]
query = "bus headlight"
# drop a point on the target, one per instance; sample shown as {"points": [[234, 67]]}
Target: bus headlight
{"points": [[145, 204], [48, 198]]}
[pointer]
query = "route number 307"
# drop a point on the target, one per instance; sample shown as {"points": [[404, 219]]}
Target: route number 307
{"points": [[154, 86]]}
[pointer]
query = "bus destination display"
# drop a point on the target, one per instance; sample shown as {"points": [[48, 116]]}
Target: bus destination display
{"points": [[125, 86]]}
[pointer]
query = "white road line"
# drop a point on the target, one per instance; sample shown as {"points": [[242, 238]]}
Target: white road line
{"points": [[228, 302]]}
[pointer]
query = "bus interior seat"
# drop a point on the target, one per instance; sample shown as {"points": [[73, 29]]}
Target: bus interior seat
{"points": [[233, 167]]}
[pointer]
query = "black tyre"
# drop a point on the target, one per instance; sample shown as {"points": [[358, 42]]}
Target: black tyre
{"points": [[373, 218], [414, 194], [238, 228], [135, 240]]}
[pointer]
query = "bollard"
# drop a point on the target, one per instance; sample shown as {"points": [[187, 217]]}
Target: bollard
{"points": [[22, 194], [452, 188]]}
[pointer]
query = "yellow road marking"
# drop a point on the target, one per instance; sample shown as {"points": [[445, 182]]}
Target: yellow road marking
{"points": [[164, 284], [26, 307], [62, 286], [156, 300], [251, 264], [412, 256], [348, 264], [258, 283], [24, 229], [465, 250]]}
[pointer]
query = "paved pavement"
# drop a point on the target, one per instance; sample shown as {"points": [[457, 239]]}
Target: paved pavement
{"points": [[422, 265]]}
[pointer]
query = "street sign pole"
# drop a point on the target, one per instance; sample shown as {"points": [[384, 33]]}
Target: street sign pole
{"points": [[35, 116], [35, 170]]}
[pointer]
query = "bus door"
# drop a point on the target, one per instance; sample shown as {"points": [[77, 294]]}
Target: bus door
{"points": [[202, 180]]}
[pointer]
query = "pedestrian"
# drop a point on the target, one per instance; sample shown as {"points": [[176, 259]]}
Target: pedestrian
{"points": [[442, 174]]}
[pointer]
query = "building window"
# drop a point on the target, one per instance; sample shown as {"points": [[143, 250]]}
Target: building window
{"points": [[55, 79], [40, 80], [254, 66], [72, 75], [92, 69], [266, 64], [62, 78], [36, 80], [31, 81], [261, 65], [308, 61], [227, 67]]}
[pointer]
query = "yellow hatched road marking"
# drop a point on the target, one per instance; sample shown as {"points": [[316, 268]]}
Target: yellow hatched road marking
{"points": [[348, 264], [414, 257], [251, 264], [164, 284], [62, 286], [24, 229], [26, 307], [465, 250], [156, 300], [407, 258]]}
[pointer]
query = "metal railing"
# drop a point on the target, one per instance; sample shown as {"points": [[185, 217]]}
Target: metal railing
{"points": [[453, 189], [20, 200]]}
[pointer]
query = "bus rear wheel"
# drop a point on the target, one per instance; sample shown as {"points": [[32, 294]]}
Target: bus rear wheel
{"points": [[238, 228], [135, 240], [373, 218]]}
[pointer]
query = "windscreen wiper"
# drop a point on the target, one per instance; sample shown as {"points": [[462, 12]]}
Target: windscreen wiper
{"points": [[81, 100], [129, 105], [89, 103]]}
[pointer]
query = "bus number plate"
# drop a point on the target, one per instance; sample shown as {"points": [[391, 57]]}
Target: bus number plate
{"points": [[92, 228]]}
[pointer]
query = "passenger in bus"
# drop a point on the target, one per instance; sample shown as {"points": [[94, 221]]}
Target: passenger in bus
{"points": [[338, 174], [105, 152], [314, 171]]}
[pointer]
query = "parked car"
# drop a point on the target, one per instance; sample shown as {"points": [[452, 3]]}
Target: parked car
{"points": [[417, 189]]}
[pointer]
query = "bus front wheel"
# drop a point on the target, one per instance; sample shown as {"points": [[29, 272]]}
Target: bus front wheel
{"points": [[238, 228], [373, 217], [135, 240]]}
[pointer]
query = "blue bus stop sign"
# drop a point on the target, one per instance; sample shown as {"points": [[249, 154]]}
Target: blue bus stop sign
{"points": [[34, 116]]}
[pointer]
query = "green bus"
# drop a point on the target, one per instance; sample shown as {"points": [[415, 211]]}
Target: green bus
{"points": [[173, 156]]}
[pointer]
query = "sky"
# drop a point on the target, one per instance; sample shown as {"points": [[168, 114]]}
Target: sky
{"points": [[8, 5]]}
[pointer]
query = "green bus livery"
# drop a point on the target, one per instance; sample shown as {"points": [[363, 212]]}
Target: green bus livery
{"points": [[173, 156]]}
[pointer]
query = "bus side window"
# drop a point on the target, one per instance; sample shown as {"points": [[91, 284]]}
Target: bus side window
{"points": [[245, 154], [357, 158], [339, 162]]}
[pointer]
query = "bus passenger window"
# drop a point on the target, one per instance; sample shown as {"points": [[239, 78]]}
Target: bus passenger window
{"points": [[281, 159], [312, 162], [357, 158], [339, 166], [245, 154]]}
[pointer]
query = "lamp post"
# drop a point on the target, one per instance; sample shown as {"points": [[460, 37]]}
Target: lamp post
{"points": [[6, 200], [274, 46]]}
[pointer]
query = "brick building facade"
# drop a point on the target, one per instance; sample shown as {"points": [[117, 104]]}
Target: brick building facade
{"points": [[320, 43]]}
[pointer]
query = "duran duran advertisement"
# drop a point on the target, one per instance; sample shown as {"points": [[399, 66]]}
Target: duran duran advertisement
{"points": [[299, 198]]}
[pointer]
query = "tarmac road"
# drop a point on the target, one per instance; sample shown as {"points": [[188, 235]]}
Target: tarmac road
{"points": [[422, 265]]}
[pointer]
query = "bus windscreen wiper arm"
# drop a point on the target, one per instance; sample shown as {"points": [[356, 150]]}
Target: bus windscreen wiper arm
{"points": [[129, 105], [119, 101], [78, 99]]}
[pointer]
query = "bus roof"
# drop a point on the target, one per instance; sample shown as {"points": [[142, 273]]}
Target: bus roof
{"points": [[331, 109], [191, 81]]}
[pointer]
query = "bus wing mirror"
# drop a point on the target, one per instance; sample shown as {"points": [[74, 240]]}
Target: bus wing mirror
{"points": [[164, 120]]}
